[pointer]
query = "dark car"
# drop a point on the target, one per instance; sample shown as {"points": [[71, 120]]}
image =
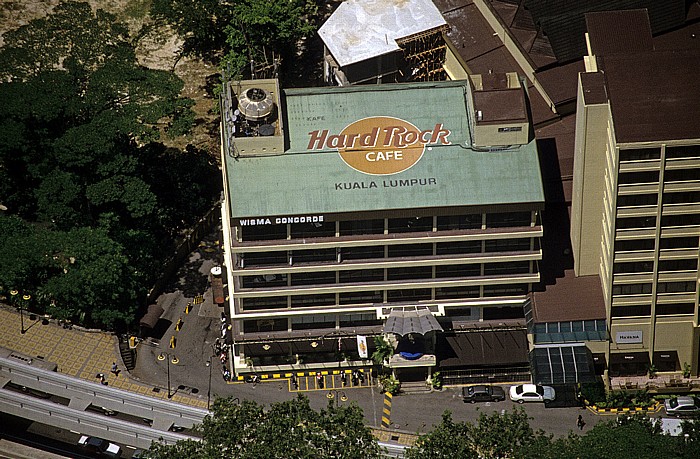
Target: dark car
{"points": [[483, 393]]}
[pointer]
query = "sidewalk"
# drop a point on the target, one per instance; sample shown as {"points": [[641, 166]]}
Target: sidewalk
{"points": [[78, 353]]}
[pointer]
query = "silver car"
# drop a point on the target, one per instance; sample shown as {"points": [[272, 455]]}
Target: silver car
{"points": [[680, 406]]}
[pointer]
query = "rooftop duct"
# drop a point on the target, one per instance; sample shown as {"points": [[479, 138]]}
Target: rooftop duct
{"points": [[255, 104]]}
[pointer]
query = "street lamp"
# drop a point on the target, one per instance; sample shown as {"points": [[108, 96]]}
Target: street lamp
{"points": [[170, 358], [209, 388], [20, 305]]}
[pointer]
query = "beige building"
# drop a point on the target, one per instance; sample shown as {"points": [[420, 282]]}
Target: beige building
{"points": [[636, 196]]}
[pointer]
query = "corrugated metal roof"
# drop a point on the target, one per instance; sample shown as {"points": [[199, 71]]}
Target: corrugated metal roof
{"points": [[362, 29], [612, 32], [404, 321], [303, 182]]}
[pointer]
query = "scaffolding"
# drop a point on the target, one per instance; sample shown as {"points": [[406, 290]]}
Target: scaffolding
{"points": [[424, 54]]}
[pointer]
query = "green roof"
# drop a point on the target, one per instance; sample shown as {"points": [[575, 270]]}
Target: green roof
{"points": [[306, 181]]}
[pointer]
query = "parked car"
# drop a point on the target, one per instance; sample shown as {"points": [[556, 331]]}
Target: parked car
{"points": [[680, 406], [100, 447], [531, 393], [483, 393]]}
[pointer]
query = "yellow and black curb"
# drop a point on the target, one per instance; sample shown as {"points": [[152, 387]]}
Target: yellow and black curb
{"points": [[300, 374], [655, 408], [386, 412]]}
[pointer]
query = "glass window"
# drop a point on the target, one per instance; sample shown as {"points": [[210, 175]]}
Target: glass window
{"points": [[357, 227], [361, 297], [678, 265], [306, 322], [459, 222], [254, 259], [268, 302], [447, 293], [411, 224], [413, 272], [636, 222], [508, 245], [505, 268], [508, 219], [688, 151], [265, 281], [634, 267], [311, 230], [359, 320], [631, 311], [410, 250], [683, 197], [631, 289], [679, 242], [630, 200], [263, 232], [627, 178], [676, 287], [362, 253], [327, 299], [313, 256], [361, 275], [457, 248], [640, 154], [633, 245], [458, 270], [313, 278], [415, 294], [681, 175], [505, 290], [680, 220], [668, 309]]}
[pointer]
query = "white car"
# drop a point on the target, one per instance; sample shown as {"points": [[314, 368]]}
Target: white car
{"points": [[100, 447], [531, 393]]}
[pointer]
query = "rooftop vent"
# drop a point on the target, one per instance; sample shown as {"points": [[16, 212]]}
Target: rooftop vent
{"points": [[255, 104]]}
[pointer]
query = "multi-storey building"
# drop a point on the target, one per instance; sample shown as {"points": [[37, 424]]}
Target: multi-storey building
{"points": [[636, 197], [409, 210]]}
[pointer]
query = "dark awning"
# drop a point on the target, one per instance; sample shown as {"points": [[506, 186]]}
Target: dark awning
{"points": [[403, 321], [562, 363], [483, 348], [629, 357], [150, 319]]}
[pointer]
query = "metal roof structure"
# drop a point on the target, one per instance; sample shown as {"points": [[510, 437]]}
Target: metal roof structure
{"points": [[404, 321], [313, 178], [362, 29]]}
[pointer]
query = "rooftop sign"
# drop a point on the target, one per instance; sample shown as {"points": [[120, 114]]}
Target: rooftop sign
{"points": [[380, 145]]}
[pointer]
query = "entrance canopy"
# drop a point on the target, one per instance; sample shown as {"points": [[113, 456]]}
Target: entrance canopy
{"points": [[562, 363], [404, 321]]}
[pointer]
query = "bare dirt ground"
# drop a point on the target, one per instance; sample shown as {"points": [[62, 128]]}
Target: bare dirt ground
{"points": [[158, 49]]}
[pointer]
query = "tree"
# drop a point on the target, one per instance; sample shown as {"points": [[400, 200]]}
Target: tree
{"points": [[447, 440], [289, 429]]}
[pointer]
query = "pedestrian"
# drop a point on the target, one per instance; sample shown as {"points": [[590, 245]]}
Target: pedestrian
{"points": [[115, 369], [294, 381], [319, 380], [580, 422], [102, 380], [343, 379]]}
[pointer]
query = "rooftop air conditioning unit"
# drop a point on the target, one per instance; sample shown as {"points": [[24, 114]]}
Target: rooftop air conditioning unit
{"points": [[255, 104]]}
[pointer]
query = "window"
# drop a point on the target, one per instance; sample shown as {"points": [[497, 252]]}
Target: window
{"points": [[688, 151], [411, 224], [511, 267], [670, 309], [459, 222], [359, 320], [510, 129], [266, 281], [410, 273], [630, 200], [633, 245], [680, 220], [505, 290], [508, 245], [357, 227], [326, 299], [681, 175], [458, 270], [410, 250], [640, 154], [361, 297], [678, 265], [362, 253], [263, 232], [313, 321], [457, 248], [264, 325], [311, 230], [636, 267], [627, 178], [679, 242], [415, 294], [508, 219], [631, 310], [361, 275], [312, 256], [446, 293], [313, 278], [631, 289], [636, 222], [682, 197], [505, 312], [268, 302], [676, 287], [254, 259]]}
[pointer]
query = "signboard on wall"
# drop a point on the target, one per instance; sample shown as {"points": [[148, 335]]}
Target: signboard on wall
{"points": [[628, 337]]}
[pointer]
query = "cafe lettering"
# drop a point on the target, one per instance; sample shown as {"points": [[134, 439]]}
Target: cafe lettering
{"points": [[380, 145]]}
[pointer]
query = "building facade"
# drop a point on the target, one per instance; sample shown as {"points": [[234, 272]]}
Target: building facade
{"points": [[636, 198], [370, 210]]}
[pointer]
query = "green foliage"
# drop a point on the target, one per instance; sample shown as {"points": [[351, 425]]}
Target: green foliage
{"points": [[289, 429], [626, 399], [436, 380], [389, 384], [383, 350], [447, 440], [79, 165], [686, 370]]}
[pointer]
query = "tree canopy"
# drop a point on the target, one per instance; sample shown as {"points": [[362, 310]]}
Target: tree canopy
{"points": [[285, 430], [81, 166], [509, 435], [239, 31]]}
